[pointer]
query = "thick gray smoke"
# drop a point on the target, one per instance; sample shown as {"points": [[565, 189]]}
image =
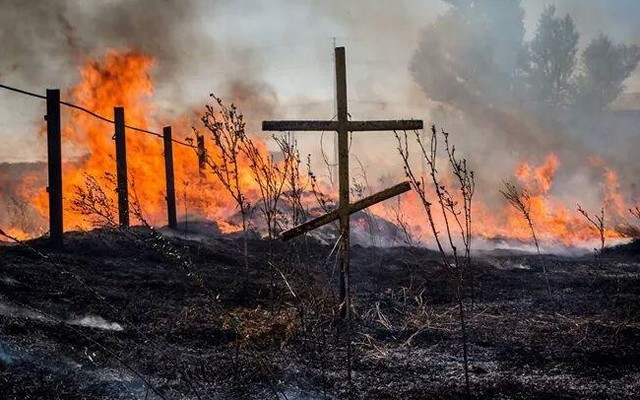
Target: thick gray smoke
{"points": [[42, 40]]}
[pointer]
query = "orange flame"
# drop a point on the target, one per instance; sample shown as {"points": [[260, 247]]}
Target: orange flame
{"points": [[122, 79]]}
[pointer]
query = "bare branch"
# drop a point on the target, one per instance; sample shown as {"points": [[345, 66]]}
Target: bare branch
{"points": [[635, 212], [597, 222], [92, 202], [521, 201]]}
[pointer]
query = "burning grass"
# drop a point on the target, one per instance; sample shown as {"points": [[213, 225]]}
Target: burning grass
{"points": [[123, 78]]}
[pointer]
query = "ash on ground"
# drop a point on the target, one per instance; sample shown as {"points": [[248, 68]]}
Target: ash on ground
{"points": [[138, 314]]}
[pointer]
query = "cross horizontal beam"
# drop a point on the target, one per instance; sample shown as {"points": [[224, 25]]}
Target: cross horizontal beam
{"points": [[352, 126], [353, 208]]}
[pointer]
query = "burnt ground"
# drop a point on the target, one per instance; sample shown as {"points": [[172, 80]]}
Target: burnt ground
{"points": [[117, 309]]}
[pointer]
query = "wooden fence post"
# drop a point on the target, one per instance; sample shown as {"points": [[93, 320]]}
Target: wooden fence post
{"points": [[168, 170], [54, 158], [121, 168]]}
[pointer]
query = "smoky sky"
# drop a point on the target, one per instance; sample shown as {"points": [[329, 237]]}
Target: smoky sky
{"points": [[276, 52], [44, 41], [49, 39]]}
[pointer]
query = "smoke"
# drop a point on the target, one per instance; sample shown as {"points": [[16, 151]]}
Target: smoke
{"points": [[48, 39], [473, 62], [257, 100], [97, 322], [40, 38]]}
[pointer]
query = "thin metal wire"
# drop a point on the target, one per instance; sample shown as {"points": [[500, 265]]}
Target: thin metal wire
{"points": [[94, 114], [23, 92]]}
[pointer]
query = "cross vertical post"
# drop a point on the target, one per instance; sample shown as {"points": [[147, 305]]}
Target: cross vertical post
{"points": [[343, 178], [54, 161], [169, 177], [121, 168]]}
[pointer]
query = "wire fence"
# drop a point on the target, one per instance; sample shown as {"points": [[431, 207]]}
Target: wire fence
{"points": [[55, 186]]}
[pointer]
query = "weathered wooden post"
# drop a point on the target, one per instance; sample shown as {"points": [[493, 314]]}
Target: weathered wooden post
{"points": [[168, 170], [121, 168], [54, 159], [343, 177], [202, 155]]}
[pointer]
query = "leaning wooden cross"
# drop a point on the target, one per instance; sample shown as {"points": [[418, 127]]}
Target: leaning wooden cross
{"points": [[343, 126]]}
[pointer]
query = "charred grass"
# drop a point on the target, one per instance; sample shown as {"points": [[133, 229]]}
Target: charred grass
{"points": [[195, 324]]}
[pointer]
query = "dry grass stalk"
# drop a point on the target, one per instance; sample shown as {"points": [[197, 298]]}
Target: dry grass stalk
{"points": [[295, 184], [326, 203], [360, 188], [400, 220], [597, 221], [521, 201], [466, 181], [456, 215]]}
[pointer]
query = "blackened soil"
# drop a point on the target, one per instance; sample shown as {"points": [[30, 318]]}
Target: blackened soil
{"points": [[149, 316]]}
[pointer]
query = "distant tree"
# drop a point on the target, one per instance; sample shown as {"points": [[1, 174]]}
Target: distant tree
{"points": [[605, 67], [471, 52], [553, 55]]}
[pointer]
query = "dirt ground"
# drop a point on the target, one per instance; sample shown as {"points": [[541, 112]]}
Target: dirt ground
{"points": [[148, 316]]}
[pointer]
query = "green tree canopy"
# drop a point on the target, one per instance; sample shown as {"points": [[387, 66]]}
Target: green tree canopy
{"points": [[553, 55], [471, 51], [605, 68]]}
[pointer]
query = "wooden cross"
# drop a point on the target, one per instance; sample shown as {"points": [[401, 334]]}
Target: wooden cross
{"points": [[343, 126]]}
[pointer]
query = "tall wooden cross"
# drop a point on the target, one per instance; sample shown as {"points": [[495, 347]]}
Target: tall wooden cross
{"points": [[343, 126]]}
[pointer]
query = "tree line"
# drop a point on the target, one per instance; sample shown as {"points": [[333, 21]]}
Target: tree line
{"points": [[479, 48]]}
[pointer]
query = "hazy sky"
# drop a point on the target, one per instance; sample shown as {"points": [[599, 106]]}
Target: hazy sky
{"points": [[283, 46]]}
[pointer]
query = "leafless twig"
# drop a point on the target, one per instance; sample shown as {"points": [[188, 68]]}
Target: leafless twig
{"points": [[597, 222], [635, 212], [521, 201], [92, 201]]}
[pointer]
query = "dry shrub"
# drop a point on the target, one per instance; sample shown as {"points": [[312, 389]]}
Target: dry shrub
{"points": [[520, 200], [92, 201]]}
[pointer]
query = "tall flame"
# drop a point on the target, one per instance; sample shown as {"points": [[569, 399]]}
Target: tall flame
{"points": [[122, 79]]}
